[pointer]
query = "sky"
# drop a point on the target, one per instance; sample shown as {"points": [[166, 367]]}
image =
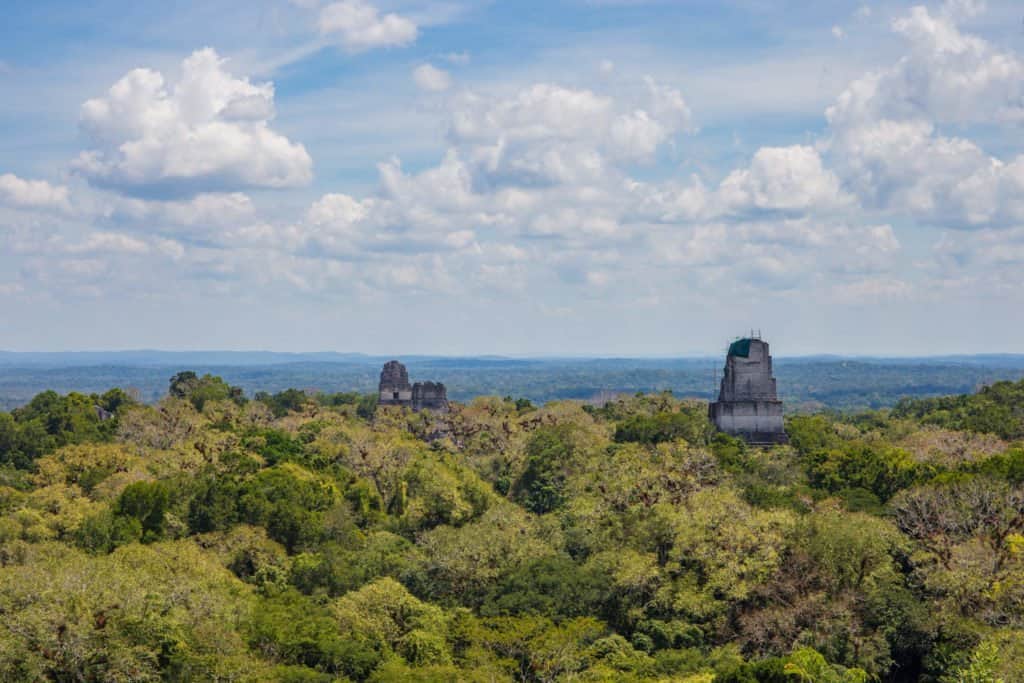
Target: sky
{"points": [[518, 177]]}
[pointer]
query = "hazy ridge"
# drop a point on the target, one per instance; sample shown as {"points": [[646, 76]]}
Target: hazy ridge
{"points": [[808, 382]]}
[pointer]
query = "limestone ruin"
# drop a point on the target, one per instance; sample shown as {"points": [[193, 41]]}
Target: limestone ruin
{"points": [[395, 390], [748, 405]]}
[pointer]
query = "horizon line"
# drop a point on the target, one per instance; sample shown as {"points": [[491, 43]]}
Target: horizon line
{"points": [[688, 355]]}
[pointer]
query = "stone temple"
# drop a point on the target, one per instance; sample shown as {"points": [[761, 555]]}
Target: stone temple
{"points": [[748, 405], [395, 390]]}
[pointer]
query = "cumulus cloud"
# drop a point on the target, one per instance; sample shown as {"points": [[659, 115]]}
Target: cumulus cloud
{"points": [[32, 194], [210, 132], [790, 181], [947, 76], [335, 223], [541, 182], [550, 165], [783, 179], [779, 254], [338, 210], [987, 249], [872, 291], [431, 79], [359, 26], [672, 201], [539, 112], [104, 242], [202, 217], [548, 134], [202, 213], [887, 140], [547, 163]]}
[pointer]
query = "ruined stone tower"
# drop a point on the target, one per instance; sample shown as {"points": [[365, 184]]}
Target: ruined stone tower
{"points": [[395, 390], [748, 405], [394, 385]]}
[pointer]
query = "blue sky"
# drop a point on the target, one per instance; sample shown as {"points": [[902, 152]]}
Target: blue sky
{"points": [[621, 177]]}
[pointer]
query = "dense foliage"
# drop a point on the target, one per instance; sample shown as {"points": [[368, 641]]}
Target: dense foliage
{"points": [[300, 537], [996, 409]]}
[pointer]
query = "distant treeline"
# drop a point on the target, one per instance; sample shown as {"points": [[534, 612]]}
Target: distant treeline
{"points": [[805, 384]]}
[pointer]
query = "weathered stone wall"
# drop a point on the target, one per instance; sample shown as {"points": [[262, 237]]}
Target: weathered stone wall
{"points": [[748, 404], [429, 396], [758, 422], [750, 378], [392, 397], [395, 390], [394, 384]]}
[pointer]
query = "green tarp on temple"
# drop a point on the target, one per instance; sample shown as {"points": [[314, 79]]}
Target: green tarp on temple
{"points": [[741, 348]]}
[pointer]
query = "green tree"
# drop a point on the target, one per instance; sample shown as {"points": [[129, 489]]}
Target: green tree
{"points": [[291, 629], [289, 502], [147, 502], [982, 668], [549, 586], [105, 531], [187, 385], [549, 457], [284, 402], [690, 424], [808, 666]]}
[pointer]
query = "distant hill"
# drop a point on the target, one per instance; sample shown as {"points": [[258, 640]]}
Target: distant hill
{"points": [[146, 358], [804, 383]]}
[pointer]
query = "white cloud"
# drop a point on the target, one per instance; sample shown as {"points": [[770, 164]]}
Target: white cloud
{"points": [[431, 78], [668, 105], [986, 250], [963, 9], [336, 223], [203, 213], [171, 249], [548, 134], [947, 77], [637, 136], [208, 133], [32, 194], [540, 112], [788, 180], [873, 291], [459, 58], [337, 210], [786, 254], [106, 242], [887, 141], [460, 239], [547, 163], [783, 179], [949, 180], [673, 201], [359, 26], [538, 185], [575, 221], [446, 188]]}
